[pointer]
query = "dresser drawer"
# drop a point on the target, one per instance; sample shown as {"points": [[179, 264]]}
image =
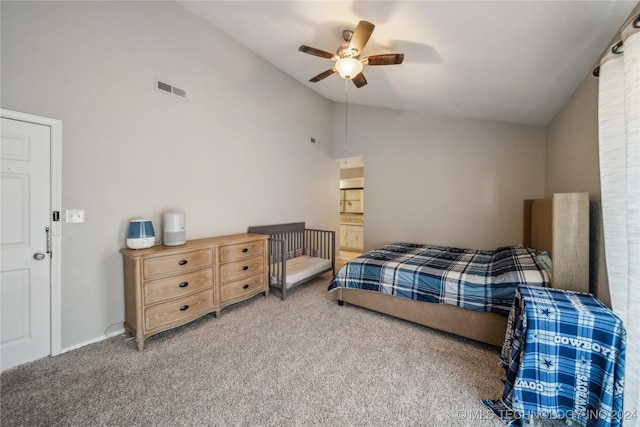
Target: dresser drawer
{"points": [[177, 264], [240, 269], [179, 311], [242, 288], [176, 286], [241, 251]]}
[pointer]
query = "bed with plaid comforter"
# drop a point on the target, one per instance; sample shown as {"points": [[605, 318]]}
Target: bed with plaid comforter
{"points": [[477, 280]]}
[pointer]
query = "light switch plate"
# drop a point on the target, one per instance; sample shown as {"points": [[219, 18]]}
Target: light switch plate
{"points": [[75, 215]]}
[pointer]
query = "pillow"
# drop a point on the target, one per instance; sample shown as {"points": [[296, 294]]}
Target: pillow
{"points": [[545, 260]]}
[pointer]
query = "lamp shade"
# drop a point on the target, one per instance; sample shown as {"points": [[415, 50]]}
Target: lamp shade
{"points": [[141, 234], [348, 67]]}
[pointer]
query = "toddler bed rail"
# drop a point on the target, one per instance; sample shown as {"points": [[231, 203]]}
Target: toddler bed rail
{"points": [[297, 254]]}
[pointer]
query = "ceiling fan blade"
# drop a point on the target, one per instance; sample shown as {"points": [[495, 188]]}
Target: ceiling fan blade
{"points": [[361, 36], [316, 52], [322, 75], [385, 59], [359, 80]]}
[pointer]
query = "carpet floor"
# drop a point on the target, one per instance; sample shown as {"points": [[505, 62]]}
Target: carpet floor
{"points": [[265, 362]]}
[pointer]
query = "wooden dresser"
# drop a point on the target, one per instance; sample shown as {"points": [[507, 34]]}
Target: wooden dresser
{"points": [[168, 286]]}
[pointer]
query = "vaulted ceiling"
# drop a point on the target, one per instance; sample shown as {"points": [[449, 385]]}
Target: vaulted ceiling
{"points": [[513, 61]]}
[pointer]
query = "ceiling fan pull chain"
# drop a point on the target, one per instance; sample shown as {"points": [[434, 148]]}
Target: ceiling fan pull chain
{"points": [[346, 114]]}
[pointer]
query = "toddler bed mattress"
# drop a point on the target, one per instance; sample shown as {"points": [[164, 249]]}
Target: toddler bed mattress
{"points": [[300, 268]]}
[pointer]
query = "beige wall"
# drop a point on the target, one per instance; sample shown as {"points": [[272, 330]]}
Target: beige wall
{"points": [[438, 179], [351, 173], [573, 165], [572, 144], [235, 153]]}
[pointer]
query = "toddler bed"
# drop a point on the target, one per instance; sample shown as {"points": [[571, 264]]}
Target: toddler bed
{"points": [[297, 254], [446, 288]]}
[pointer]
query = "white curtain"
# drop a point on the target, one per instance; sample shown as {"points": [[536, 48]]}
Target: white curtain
{"points": [[619, 142]]}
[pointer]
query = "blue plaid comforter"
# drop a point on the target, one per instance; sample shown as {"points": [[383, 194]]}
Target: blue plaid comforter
{"points": [[563, 355], [472, 279]]}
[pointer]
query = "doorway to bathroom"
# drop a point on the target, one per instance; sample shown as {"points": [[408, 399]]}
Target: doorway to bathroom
{"points": [[352, 207]]}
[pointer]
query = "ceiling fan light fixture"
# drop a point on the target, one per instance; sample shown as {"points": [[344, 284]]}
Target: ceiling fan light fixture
{"points": [[348, 67]]}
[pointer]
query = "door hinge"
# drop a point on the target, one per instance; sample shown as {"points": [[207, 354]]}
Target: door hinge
{"points": [[56, 215]]}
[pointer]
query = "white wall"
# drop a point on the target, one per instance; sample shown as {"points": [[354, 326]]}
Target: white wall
{"points": [[236, 153], [439, 179]]}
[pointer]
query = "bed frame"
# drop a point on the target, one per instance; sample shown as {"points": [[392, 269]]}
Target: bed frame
{"points": [[558, 225]]}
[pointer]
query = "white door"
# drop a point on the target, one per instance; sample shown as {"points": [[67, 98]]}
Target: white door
{"points": [[25, 300]]}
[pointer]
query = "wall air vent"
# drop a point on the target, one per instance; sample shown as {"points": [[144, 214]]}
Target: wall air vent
{"points": [[179, 92], [170, 89]]}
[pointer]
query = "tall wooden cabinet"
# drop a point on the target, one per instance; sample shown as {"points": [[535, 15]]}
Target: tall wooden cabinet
{"points": [[166, 287]]}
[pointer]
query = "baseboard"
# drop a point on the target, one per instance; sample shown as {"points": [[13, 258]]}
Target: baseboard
{"points": [[92, 341]]}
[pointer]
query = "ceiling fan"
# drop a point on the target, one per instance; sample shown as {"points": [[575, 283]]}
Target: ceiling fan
{"points": [[348, 62]]}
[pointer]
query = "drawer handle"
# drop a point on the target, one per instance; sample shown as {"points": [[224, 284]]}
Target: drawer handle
{"points": [[245, 287], [183, 262], [184, 307], [184, 284], [246, 267], [245, 249]]}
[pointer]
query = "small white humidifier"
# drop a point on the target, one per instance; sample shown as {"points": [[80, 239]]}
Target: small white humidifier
{"points": [[141, 234]]}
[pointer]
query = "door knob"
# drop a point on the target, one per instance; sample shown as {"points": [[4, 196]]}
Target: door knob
{"points": [[39, 256]]}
